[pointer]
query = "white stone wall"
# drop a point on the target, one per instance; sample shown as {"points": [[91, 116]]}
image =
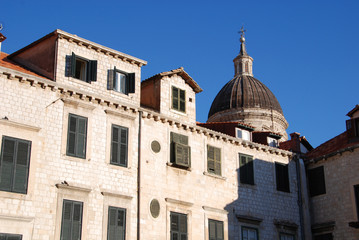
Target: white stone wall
{"points": [[105, 63], [41, 116]]}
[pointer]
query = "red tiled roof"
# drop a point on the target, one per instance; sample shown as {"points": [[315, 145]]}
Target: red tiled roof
{"points": [[223, 123], [292, 144], [5, 62], [333, 145]]}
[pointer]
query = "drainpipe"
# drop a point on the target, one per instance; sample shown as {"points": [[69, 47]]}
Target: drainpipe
{"points": [[139, 174], [300, 202]]}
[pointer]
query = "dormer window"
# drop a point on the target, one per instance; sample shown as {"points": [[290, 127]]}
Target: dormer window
{"points": [[83, 69], [121, 81], [272, 142], [243, 134], [178, 99]]}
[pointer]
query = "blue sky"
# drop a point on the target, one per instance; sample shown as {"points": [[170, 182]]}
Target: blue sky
{"points": [[306, 52]]}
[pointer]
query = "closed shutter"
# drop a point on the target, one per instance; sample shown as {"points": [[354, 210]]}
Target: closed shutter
{"points": [[316, 181], [14, 164], [77, 136], [131, 82], [214, 160], [356, 193], [7, 163], [212, 230], [219, 230], [182, 154], [246, 169], [71, 225], [22, 166], [92, 71], [119, 145], [4, 236], [178, 226], [175, 93], [73, 65], [111, 79], [182, 102]]}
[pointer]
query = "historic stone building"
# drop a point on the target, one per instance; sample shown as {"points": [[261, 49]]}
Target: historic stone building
{"points": [[88, 151], [333, 182]]}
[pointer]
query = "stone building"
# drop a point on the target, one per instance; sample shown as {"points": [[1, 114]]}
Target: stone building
{"points": [[88, 151], [333, 182]]}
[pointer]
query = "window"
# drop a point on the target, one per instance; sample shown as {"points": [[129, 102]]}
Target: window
{"points": [[284, 236], [213, 160], [282, 177], [180, 151], [71, 220], [316, 181], [6, 236], [246, 171], [14, 164], [178, 99], [178, 226], [249, 233], [76, 136], [215, 229], [83, 69], [116, 223], [356, 193], [121, 81], [272, 142], [119, 145], [243, 134]]}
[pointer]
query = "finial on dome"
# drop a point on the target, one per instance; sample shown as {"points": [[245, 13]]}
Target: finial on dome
{"points": [[243, 51], [242, 31]]}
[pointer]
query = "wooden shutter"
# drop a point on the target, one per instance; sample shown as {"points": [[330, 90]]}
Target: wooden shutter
{"points": [[246, 169], [183, 226], [110, 79], [175, 98], [119, 145], [182, 154], [356, 193], [182, 100], [219, 230], [71, 225], [81, 137], [131, 82], [179, 138], [92, 71], [22, 166], [214, 160], [316, 181], [73, 65], [212, 230], [7, 163]]}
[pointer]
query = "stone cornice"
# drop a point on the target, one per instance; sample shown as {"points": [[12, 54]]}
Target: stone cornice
{"points": [[99, 48], [115, 105]]}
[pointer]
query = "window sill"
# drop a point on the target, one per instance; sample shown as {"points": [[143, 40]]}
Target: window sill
{"points": [[81, 81], [248, 185], [72, 158], [214, 175], [178, 112], [13, 195], [188, 169]]}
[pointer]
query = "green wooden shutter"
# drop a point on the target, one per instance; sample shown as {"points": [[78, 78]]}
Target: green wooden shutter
{"points": [[175, 98], [73, 65], [123, 146], [212, 230], [182, 100], [7, 163], [22, 166], [182, 155], [81, 137], [217, 162], [110, 79], [131, 82], [246, 169], [92, 71], [71, 225], [183, 226], [71, 135], [210, 159], [114, 145], [219, 230], [66, 225], [282, 177]]}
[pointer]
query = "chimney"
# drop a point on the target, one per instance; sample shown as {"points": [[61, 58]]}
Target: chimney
{"points": [[2, 38]]}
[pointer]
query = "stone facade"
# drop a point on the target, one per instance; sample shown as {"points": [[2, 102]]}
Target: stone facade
{"points": [[37, 109]]}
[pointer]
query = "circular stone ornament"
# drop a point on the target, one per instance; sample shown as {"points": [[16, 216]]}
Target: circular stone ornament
{"points": [[155, 208], [155, 146]]}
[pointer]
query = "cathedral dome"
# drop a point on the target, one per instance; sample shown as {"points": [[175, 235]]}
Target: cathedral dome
{"points": [[244, 92], [246, 99]]}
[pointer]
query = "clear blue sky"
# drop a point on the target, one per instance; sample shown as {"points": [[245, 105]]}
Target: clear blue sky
{"points": [[306, 52]]}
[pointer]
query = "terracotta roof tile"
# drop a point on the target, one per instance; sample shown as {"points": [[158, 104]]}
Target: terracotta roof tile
{"points": [[333, 145], [6, 62]]}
